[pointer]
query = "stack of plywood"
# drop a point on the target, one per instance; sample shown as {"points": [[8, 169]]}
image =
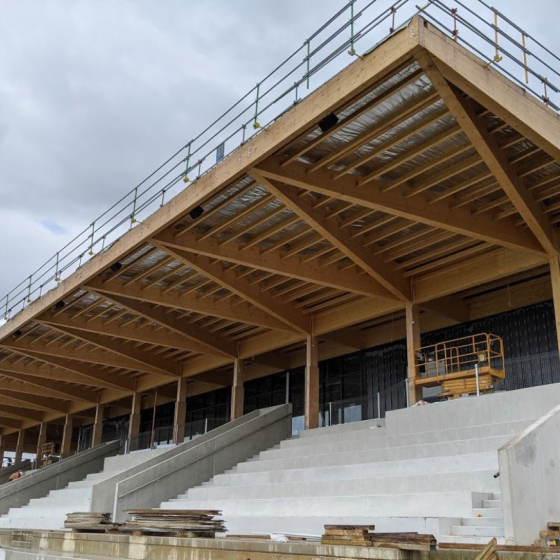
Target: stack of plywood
{"points": [[349, 535], [361, 535], [191, 523], [88, 522]]}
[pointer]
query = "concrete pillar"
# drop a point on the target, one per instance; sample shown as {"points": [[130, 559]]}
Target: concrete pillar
{"points": [[98, 425], [134, 422], [41, 441], [180, 411], [237, 389], [67, 436], [19, 446], [311, 383], [412, 345]]}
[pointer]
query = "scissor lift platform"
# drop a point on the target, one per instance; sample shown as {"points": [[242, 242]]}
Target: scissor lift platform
{"points": [[463, 366]]}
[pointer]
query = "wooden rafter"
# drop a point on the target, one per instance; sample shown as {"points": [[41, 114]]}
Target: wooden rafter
{"points": [[85, 371], [17, 394], [10, 411], [213, 343], [139, 359], [188, 302], [292, 267], [242, 288], [89, 355], [54, 389], [487, 146], [50, 372], [151, 335], [340, 239], [439, 215]]}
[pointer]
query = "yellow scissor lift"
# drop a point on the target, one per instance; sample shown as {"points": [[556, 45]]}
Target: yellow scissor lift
{"points": [[464, 366]]}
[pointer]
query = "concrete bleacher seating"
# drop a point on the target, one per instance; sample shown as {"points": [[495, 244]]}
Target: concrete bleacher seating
{"points": [[427, 469], [50, 512]]}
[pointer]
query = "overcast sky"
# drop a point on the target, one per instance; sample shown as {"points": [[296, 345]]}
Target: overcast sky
{"points": [[94, 94]]}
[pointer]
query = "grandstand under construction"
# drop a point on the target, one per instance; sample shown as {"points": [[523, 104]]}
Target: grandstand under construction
{"points": [[336, 246]]}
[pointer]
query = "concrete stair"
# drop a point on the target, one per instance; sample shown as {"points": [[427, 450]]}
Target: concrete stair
{"points": [[487, 522], [50, 512], [433, 481]]}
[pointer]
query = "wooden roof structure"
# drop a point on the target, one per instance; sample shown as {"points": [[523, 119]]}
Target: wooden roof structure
{"points": [[437, 175]]}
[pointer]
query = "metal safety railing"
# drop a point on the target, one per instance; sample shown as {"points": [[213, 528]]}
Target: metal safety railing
{"points": [[351, 32], [465, 354]]}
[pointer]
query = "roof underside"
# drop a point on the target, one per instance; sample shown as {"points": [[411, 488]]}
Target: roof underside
{"points": [[338, 227]]}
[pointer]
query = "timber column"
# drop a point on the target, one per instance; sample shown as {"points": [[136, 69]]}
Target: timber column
{"points": [[134, 422], [19, 446], [180, 416], [2, 451], [97, 436], [67, 436], [555, 280], [41, 441], [412, 344], [311, 383], [237, 389]]}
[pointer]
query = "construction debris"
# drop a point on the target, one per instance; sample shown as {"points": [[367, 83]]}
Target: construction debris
{"points": [[348, 535], [551, 537], [179, 522], [362, 535], [489, 551], [88, 522]]}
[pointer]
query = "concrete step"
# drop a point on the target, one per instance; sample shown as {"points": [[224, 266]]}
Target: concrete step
{"points": [[462, 539], [477, 531], [314, 525], [48, 522], [376, 437], [53, 509], [488, 512], [65, 497], [386, 442], [429, 465], [483, 521], [123, 462], [435, 504], [377, 455], [481, 481], [492, 504], [340, 428]]}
